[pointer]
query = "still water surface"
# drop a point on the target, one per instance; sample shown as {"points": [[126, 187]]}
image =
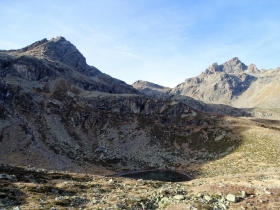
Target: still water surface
{"points": [[160, 175]]}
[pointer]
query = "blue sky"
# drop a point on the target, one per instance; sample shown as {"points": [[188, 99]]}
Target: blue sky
{"points": [[161, 41]]}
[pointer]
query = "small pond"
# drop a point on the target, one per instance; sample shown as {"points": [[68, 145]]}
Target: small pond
{"points": [[159, 175]]}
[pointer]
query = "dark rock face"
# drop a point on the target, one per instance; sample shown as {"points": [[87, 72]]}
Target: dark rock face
{"points": [[59, 49]]}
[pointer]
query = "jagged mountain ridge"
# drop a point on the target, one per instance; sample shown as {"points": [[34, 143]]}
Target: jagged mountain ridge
{"points": [[219, 84], [233, 83], [46, 60], [233, 66]]}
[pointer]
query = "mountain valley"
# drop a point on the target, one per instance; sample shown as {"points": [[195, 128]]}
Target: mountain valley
{"points": [[63, 122]]}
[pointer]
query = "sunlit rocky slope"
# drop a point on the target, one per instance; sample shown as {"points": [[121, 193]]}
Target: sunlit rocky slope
{"points": [[235, 84]]}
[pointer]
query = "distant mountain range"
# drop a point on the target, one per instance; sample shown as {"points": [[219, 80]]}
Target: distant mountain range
{"points": [[231, 83]]}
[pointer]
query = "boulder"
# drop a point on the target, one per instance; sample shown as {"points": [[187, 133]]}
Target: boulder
{"points": [[243, 194], [232, 198], [179, 197], [208, 198]]}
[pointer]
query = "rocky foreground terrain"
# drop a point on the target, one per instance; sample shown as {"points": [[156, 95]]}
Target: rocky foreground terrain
{"points": [[29, 188], [59, 114]]}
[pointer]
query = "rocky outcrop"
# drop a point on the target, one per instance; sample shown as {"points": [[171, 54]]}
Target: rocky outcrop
{"points": [[210, 108], [252, 68]]}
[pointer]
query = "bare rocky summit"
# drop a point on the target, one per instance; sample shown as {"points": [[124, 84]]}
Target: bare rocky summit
{"points": [[149, 88]]}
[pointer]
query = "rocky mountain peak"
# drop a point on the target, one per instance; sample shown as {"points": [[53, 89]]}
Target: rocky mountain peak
{"points": [[58, 38], [34, 45], [59, 49], [234, 60], [149, 88], [141, 83], [47, 60], [252, 68], [234, 66], [213, 68], [138, 82], [219, 83]]}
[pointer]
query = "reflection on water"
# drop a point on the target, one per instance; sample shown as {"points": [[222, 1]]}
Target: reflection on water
{"points": [[167, 176]]}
